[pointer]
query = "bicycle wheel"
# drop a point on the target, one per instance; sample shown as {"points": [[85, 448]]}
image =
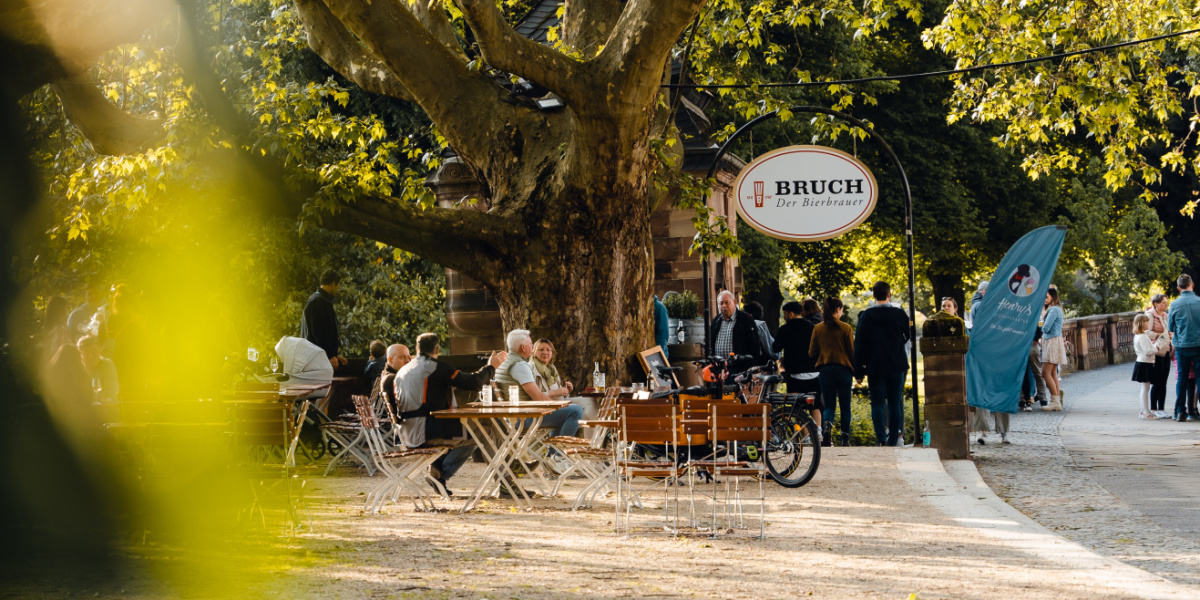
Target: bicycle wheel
{"points": [[793, 448]]}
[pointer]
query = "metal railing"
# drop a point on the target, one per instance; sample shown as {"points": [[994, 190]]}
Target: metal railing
{"points": [[1098, 340]]}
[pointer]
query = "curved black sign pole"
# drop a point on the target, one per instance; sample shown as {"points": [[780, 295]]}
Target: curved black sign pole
{"points": [[918, 426]]}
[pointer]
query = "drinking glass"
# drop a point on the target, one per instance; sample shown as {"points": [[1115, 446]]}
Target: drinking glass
{"points": [[252, 354], [274, 364], [514, 396], [485, 395]]}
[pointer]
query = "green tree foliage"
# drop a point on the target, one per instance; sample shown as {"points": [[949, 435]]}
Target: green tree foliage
{"points": [[1122, 99], [112, 212], [1115, 245]]}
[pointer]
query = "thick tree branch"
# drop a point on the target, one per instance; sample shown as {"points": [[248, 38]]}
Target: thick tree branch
{"points": [[465, 240], [432, 15], [587, 25], [109, 129], [509, 51], [437, 78], [637, 52], [330, 39]]}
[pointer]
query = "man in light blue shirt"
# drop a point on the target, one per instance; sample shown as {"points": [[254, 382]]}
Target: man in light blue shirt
{"points": [[1184, 324]]}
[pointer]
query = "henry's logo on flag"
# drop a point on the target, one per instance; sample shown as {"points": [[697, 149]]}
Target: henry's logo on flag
{"points": [[1023, 280]]}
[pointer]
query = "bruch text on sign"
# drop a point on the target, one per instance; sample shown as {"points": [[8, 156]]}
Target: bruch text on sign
{"points": [[819, 186]]}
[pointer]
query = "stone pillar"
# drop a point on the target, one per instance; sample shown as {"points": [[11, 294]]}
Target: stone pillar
{"points": [[944, 347]]}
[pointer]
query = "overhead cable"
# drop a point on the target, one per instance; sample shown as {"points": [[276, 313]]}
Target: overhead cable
{"points": [[1015, 63]]}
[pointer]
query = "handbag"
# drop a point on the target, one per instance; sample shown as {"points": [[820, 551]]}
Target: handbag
{"points": [[1162, 345]]}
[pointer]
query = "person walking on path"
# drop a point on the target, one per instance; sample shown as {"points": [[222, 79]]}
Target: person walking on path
{"points": [[880, 357], [798, 368], [976, 300], [1054, 350], [1162, 362], [1033, 376], [319, 324], [1183, 324], [832, 346]]}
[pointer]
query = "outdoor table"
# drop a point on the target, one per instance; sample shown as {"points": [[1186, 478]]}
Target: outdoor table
{"points": [[512, 437], [286, 395]]}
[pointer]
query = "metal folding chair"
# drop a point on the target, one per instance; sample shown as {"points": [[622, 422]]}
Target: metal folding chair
{"points": [[404, 470]]}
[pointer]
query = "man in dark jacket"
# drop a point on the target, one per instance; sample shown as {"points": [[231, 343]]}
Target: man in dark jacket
{"points": [[879, 355], [376, 361], [397, 357], [424, 386], [798, 367], [319, 324], [734, 332]]}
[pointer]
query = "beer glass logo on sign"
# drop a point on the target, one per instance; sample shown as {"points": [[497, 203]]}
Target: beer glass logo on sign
{"points": [[805, 193], [1023, 280]]}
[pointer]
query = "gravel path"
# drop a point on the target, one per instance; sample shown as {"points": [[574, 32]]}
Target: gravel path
{"points": [[1063, 487]]}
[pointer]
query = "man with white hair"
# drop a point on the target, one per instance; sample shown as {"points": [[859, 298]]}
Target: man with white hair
{"points": [[516, 370], [733, 332]]}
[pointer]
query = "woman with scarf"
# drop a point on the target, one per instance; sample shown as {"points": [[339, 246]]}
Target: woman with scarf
{"points": [[546, 376]]}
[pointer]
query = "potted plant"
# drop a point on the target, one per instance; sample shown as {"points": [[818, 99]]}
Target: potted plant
{"points": [[682, 309]]}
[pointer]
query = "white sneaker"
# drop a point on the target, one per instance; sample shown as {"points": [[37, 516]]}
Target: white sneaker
{"points": [[1141, 415], [1149, 416]]}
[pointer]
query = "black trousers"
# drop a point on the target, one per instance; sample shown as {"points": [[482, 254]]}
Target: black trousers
{"points": [[1158, 382]]}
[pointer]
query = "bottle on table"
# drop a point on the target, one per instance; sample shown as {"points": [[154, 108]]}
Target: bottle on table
{"points": [[598, 379]]}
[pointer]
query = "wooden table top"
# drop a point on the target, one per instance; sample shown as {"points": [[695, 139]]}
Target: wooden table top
{"points": [[538, 403], [493, 412], [288, 395]]}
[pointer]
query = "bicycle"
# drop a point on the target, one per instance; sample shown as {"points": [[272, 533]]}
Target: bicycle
{"points": [[793, 452]]}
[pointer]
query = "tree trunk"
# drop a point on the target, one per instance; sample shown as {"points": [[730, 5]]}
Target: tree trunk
{"points": [[583, 279], [949, 285]]}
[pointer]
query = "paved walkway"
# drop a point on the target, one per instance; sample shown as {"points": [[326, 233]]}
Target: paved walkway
{"points": [[1126, 488]]}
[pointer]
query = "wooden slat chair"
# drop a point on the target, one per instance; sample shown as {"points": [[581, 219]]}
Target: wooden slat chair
{"points": [[694, 430], [655, 424], [347, 433], [391, 441], [589, 455], [404, 469], [731, 428], [261, 432]]}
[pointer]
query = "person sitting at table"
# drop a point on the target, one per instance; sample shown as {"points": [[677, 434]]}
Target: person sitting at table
{"points": [[424, 386], [101, 370], [397, 357], [545, 374], [376, 361], [516, 371]]}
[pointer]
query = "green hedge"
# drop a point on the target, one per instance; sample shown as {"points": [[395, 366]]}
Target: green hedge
{"points": [[862, 431]]}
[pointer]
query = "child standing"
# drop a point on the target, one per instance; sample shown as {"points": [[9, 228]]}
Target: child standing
{"points": [[1143, 369]]}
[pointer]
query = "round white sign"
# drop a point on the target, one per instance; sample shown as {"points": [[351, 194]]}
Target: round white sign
{"points": [[805, 193]]}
